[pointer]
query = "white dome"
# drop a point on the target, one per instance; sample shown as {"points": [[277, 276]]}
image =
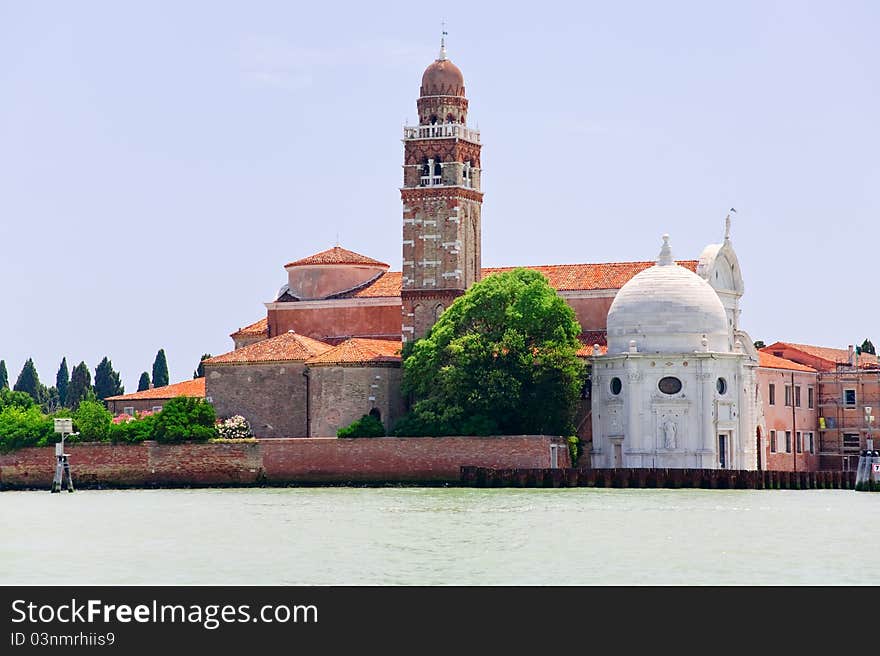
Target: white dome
{"points": [[667, 309]]}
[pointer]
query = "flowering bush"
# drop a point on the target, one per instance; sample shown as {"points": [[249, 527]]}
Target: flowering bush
{"points": [[234, 428]]}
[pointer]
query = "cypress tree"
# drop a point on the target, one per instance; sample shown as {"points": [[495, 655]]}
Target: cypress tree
{"points": [[80, 385], [4, 376], [144, 382], [868, 347], [107, 381], [200, 370], [62, 382], [160, 369], [29, 381]]}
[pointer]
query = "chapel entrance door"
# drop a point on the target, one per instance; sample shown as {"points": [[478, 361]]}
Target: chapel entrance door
{"points": [[722, 451], [617, 455]]}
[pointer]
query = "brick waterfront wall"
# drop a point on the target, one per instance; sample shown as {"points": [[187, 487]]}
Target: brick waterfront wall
{"points": [[279, 461]]}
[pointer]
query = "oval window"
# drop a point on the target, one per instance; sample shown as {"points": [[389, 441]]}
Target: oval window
{"points": [[669, 385], [616, 386], [721, 386]]}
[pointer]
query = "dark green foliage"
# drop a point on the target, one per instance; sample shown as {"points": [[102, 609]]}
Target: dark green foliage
{"points": [[366, 426], [867, 347], [51, 400], [4, 375], [160, 369], [29, 382], [759, 344], [575, 449], [502, 359], [200, 370], [144, 382], [20, 400], [185, 419], [107, 381], [62, 381], [80, 385]]}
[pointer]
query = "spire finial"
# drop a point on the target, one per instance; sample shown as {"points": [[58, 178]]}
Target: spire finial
{"points": [[443, 34], [665, 258], [727, 225]]}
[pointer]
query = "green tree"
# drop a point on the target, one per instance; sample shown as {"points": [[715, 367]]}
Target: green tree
{"points": [[29, 382], [80, 385], [51, 400], [62, 381], [759, 344], [107, 381], [867, 347], [185, 418], [92, 421], [160, 369], [501, 359], [366, 426], [4, 376], [200, 370], [20, 400], [144, 382]]}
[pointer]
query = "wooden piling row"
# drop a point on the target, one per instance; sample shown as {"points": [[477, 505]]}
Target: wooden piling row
{"points": [[712, 479]]}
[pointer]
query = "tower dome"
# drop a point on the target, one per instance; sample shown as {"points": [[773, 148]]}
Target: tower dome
{"points": [[442, 78], [667, 309]]}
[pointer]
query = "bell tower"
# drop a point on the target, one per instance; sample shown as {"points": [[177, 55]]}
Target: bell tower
{"points": [[441, 200]]}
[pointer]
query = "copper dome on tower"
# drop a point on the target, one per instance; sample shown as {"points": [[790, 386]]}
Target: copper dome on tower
{"points": [[442, 78]]}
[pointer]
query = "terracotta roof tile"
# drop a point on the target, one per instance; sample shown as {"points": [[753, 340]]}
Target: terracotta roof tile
{"points": [[770, 361], [195, 387], [336, 255], [833, 356], [360, 350], [562, 277], [590, 337], [256, 329], [287, 347]]}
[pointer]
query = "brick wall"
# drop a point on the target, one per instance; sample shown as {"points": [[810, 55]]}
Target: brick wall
{"points": [[279, 461], [338, 319], [272, 397]]}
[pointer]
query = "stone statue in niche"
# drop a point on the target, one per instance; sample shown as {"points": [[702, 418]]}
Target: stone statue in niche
{"points": [[669, 431]]}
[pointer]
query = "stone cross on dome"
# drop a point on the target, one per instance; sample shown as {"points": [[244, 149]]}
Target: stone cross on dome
{"points": [[665, 258], [727, 225]]}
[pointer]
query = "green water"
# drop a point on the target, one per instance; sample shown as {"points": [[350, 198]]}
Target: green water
{"points": [[439, 536]]}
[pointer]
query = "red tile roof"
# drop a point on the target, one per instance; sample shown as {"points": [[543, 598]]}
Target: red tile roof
{"points": [[562, 277], [590, 337], [360, 350], [257, 329], [336, 255], [195, 387], [833, 356], [287, 347], [770, 361]]}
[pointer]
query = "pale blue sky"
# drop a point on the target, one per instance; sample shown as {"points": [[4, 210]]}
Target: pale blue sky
{"points": [[161, 161]]}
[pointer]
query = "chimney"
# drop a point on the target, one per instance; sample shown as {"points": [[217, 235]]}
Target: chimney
{"points": [[852, 356]]}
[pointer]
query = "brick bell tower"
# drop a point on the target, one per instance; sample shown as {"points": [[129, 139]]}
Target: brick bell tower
{"points": [[441, 200]]}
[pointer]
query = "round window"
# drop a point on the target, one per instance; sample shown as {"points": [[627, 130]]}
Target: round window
{"points": [[669, 385], [616, 386], [721, 386]]}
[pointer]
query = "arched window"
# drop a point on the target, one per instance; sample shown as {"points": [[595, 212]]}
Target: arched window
{"points": [[375, 413], [438, 310], [438, 168], [433, 119], [450, 118]]}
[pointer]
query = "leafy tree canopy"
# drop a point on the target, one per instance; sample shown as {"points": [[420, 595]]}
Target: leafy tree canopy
{"points": [[144, 382], [185, 418], [107, 380], [501, 359], [20, 400], [160, 369], [92, 421], [366, 426]]}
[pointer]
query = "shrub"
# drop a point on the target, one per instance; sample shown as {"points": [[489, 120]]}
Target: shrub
{"points": [[185, 419], [21, 427], [21, 400], [92, 421], [575, 448], [234, 428], [366, 426], [133, 429]]}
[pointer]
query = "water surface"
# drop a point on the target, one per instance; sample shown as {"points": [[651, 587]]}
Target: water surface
{"points": [[439, 536]]}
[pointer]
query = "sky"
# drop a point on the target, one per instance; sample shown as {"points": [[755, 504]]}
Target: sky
{"points": [[161, 161]]}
